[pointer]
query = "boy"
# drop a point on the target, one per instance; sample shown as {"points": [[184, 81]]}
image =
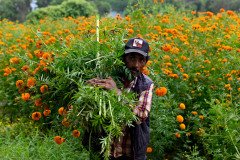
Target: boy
{"points": [[132, 145]]}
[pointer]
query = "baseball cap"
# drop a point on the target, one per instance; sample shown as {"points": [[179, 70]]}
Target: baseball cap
{"points": [[137, 45]]}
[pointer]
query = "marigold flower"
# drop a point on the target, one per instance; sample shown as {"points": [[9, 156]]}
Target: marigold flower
{"points": [[149, 150], [14, 60], [182, 126], [7, 71], [222, 10], [19, 83], [46, 56], [201, 117], [25, 96], [62, 111], [145, 71], [130, 31], [31, 82], [38, 102], [177, 135], [76, 133], [36, 116], [59, 140], [180, 118], [127, 18], [166, 47], [194, 112], [65, 122], [25, 68], [43, 88], [161, 91], [182, 106], [46, 112]]}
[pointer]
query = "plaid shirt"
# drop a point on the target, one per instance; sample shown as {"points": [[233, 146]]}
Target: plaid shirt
{"points": [[122, 146]]}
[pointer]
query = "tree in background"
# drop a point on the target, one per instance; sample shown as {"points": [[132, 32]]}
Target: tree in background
{"points": [[73, 8], [14, 9], [45, 3]]}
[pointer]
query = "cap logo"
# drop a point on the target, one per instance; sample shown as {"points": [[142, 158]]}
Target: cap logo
{"points": [[137, 43]]}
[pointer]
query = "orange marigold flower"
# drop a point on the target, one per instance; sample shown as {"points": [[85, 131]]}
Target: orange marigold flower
{"points": [[76, 133], [25, 96], [36, 116], [222, 10], [128, 18], [166, 47], [182, 106], [149, 150], [38, 102], [130, 31], [14, 60], [62, 111], [25, 68], [145, 71], [177, 135], [182, 126], [30, 56], [31, 82], [229, 12], [180, 118], [19, 83], [59, 140], [46, 112], [65, 122], [161, 91], [7, 71], [46, 56], [201, 117], [43, 88], [194, 112]]}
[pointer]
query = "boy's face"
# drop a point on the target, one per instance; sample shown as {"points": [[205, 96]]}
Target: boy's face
{"points": [[135, 63]]}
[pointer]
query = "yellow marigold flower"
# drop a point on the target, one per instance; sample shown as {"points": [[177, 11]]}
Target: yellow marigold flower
{"points": [[182, 106], [185, 76]]}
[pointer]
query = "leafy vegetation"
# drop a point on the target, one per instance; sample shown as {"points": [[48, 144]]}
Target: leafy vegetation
{"points": [[194, 64]]}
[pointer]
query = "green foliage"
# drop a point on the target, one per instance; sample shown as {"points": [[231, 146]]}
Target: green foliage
{"points": [[103, 7], [14, 9], [43, 3], [222, 138], [24, 141], [70, 8]]}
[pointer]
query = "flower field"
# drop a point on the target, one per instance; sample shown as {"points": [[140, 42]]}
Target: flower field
{"points": [[195, 66]]}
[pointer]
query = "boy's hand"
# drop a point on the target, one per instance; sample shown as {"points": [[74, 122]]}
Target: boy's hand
{"points": [[108, 83]]}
